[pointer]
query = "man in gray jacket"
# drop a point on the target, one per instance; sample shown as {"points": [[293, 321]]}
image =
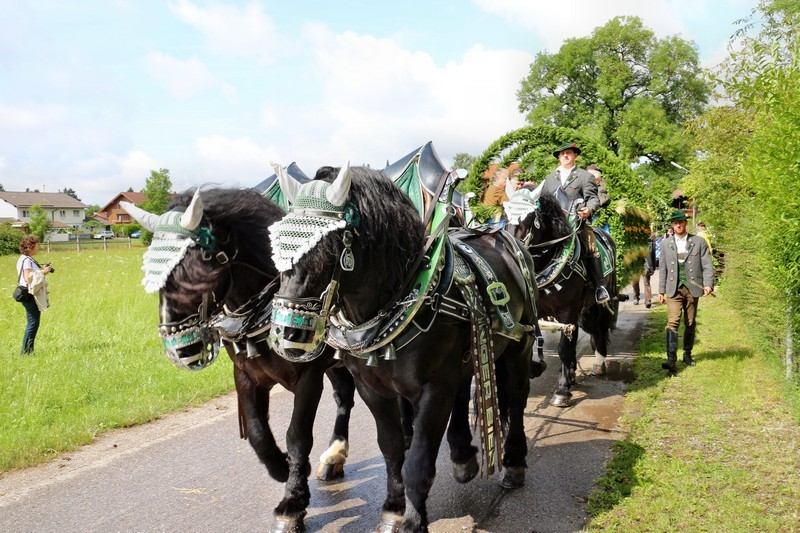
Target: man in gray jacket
{"points": [[685, 273], [579, 184]]}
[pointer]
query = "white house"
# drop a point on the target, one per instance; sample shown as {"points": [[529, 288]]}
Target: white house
{"points": [[64, 211]]}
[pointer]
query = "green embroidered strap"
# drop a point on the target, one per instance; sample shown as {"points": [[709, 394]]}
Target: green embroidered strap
{"points": [[497, 292], [486, 401]]}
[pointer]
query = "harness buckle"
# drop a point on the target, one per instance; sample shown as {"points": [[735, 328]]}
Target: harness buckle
{"points": [[498, 294]]}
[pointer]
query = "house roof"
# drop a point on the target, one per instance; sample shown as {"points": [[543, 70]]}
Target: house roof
{"points": [[52, 200], [133, 197]]}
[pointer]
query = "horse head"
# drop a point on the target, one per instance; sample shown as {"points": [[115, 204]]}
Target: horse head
{"points": [[196, 244], [333, 254]]}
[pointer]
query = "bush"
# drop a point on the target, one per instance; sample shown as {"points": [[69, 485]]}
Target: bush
{"points": [[10, 238]]}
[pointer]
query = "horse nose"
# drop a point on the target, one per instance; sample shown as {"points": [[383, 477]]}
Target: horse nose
{"points": [[195, 349]]}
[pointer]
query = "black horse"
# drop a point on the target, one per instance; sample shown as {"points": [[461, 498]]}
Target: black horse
{"points": [[542, 223], [411, 318], [210, 260]]}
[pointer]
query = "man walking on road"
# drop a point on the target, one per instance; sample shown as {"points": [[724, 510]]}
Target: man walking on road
{"points": [[685, 273]]}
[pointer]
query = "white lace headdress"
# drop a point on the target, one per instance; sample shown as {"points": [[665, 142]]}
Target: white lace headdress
{"points": [[174, 232], [310, 218]]}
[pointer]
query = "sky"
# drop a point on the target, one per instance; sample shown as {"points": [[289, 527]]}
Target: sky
{"points": [[94, 95]]}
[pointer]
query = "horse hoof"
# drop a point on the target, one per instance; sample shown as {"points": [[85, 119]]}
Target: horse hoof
{"points": [[286, 524], [513, 477], [390, 523], [561, 400], [599, 370], [328, 472], [464, 473]]}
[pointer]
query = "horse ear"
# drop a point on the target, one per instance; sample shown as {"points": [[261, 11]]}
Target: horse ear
{"points": [[288, 184], [146, 219], [191, 218], [340, 188]]}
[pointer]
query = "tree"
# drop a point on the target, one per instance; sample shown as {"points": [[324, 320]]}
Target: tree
{"points": [[40, 225], [722, 135], [157, 189], [70, 192], [622, 87], [463, 160]]}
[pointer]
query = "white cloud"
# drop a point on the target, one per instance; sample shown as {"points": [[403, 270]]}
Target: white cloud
{"points": [[183, 79], [383, 100], [555, 23], [230, 93], [130, 170], [28, 119], [229, 30], [232, 161]]}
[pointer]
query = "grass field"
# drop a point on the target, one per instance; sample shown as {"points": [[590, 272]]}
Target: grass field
{"points": [[98, 364], [715, 448]]}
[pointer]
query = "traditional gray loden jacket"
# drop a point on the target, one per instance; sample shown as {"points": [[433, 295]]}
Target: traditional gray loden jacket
{"points": [[580, 184], [698, 266]]}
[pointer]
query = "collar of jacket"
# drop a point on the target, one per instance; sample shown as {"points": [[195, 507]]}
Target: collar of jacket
{"points": [[689, 242], [572, 175]]}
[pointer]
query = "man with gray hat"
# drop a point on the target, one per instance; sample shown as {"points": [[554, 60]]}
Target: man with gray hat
{"points": [[579, 184], [685, 273]]}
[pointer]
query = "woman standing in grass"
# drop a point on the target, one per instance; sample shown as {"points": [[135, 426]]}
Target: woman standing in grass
{"points": [[30, 275]]}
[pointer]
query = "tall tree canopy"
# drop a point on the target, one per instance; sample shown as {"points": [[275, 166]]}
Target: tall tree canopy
{"points": [[621, 86], [158, 190]]}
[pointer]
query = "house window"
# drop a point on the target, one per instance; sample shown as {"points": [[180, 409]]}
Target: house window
{"points": [[62, 214], [24, 213], [75, 213]]}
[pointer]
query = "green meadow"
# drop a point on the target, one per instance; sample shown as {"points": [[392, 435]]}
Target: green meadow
{"points": [[98, 364]]}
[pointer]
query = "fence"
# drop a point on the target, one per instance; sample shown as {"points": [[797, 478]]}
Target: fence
{"points": [[91, 244]]}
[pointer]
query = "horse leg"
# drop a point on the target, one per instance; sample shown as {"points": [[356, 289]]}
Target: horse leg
{"points": [[513, 389], [332, 460], [566, 352], [599, 326], [386, 413], [432, 412], [459, 437], [254, 413], [407, 417], [290, 512]]}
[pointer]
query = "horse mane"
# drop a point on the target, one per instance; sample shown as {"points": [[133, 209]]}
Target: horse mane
{"points": [[242, 214], [553, 216], [390, 232]]}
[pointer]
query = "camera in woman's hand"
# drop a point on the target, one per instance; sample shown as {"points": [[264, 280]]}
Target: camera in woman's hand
{"points": [[52, 269]]}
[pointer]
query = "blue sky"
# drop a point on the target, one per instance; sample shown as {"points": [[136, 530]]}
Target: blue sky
{"points": [[96, 94]]}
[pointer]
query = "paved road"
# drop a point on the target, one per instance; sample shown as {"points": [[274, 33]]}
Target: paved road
{"points": [[190, 472]]}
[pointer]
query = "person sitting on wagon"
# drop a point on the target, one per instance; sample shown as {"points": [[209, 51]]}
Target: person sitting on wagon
{"points": [[580, 184]]}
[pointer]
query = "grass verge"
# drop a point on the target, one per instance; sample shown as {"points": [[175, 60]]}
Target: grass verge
{"points": [[714, 448], [99, 363]]}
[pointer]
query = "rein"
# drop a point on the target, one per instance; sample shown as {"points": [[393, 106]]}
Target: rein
{"points": [[548, 243]]}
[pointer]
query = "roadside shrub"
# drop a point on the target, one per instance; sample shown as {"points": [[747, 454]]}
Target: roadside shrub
{"points": [[10, 237]]}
